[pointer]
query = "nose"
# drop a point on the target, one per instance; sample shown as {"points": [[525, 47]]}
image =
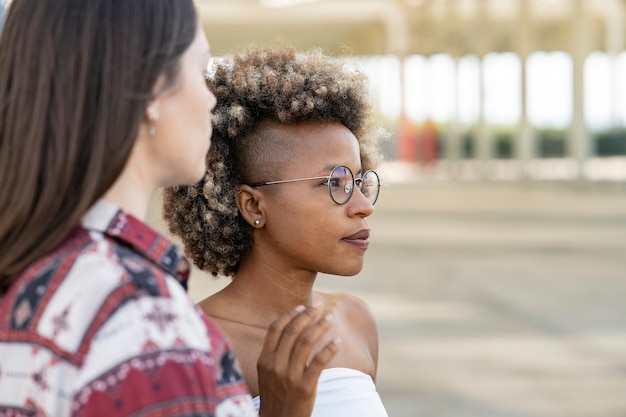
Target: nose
{"points": [[359, 205]]}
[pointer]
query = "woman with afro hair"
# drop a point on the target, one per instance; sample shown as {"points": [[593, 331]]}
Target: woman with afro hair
{"points": [[287, 193]]}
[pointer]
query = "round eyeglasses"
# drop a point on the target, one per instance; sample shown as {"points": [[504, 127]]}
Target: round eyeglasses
{"points": [[341, 183]]}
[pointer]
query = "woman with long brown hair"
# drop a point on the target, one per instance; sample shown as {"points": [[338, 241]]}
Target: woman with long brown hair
{"points": [[101, 103]]}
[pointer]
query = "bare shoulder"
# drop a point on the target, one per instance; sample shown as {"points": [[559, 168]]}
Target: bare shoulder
{"points": [[214, 307], [351, 307], [354, 317], [218, 308]]}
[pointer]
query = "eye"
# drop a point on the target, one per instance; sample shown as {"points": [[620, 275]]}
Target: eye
{"points": [[334, 182]]}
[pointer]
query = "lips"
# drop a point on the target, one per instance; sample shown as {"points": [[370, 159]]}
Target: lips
{"points": [[359, 240], [360, 235]]}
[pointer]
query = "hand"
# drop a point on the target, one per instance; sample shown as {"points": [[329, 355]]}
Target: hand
{"points": [[287, 384]]}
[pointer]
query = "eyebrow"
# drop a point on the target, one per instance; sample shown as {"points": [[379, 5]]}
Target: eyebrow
{"points": [[329, 167]]}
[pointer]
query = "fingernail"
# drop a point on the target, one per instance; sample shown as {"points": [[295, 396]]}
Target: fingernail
{"points": [[300, 308], [329, 317], [316, 304], [337, 341]]}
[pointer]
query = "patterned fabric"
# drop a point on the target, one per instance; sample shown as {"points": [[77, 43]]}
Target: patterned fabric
{"points": [[103, 327]]}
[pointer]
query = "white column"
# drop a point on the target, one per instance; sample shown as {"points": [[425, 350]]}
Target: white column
{"points": [[397, 43], [525, 149], [483, 133], [483, 145], [580, 146], [614, 17], [453, 142]]}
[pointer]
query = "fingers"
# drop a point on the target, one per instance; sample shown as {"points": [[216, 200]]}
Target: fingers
{"points": [[291, 339], [287, 384], [320, 360], [307, 340], [300, 333], [275, 331]]}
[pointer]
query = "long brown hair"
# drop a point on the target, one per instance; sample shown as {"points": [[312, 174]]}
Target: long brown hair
{"points": [[75, 79]]}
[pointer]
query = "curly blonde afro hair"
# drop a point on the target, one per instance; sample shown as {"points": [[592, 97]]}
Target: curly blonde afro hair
{"points": [[258, 91]]}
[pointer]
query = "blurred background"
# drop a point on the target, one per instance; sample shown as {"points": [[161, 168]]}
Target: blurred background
{"points": [[497, 265], [493, 89]]}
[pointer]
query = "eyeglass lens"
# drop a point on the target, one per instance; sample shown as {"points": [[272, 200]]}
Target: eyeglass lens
{"points": [[370, 186], [342, 182]]}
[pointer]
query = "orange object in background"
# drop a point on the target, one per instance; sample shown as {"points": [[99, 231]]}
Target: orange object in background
{"points": [[417, 145], [429, 146], [407, 144]]}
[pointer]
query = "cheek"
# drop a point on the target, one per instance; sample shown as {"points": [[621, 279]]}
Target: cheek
{"points": [[313, 228], [309, 216], [197, 109], [198, 120]]}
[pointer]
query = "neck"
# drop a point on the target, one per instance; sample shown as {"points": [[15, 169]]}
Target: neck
{"points": [[258, 281], [131, 193]]}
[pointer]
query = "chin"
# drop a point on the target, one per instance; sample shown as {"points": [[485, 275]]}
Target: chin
{"points": [[190, 179], [199, 172], [344, 272]]}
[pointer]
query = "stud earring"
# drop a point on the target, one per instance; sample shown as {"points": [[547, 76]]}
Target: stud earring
{"points": [[257, 222], [152, 117]]}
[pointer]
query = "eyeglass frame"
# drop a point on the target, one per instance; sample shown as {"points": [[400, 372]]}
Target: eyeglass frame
{"points": [[355, 183]]}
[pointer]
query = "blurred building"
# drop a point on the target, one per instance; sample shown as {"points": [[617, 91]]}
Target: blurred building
{"points": [[510, 84]]}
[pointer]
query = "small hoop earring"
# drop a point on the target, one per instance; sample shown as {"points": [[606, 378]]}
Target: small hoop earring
{"points": [[152, 129], [257, 222]]}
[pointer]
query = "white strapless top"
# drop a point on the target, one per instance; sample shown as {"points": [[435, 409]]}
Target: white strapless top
{"points": [[344, 392]]}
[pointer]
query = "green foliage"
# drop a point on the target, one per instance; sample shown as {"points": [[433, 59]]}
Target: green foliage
{"points": [[551, 143], [611, 142]]}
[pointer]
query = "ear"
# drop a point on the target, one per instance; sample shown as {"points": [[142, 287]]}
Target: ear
{"points": [[251, 204], [152, 110]]}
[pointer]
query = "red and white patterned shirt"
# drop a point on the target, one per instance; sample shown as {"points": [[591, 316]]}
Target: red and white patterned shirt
{"points": [[103, 327]]}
